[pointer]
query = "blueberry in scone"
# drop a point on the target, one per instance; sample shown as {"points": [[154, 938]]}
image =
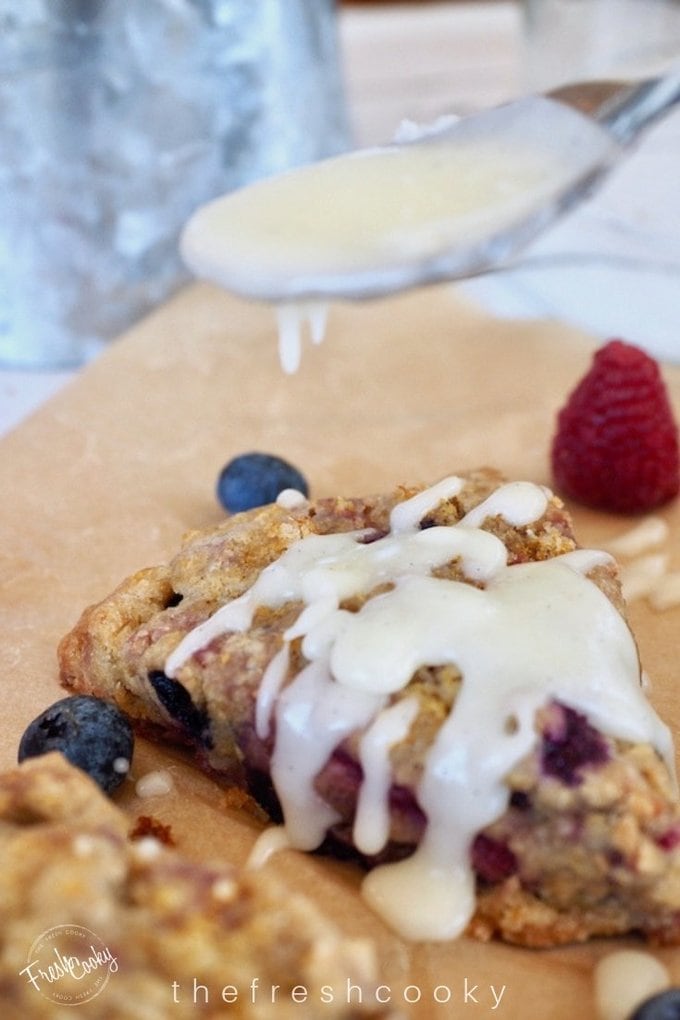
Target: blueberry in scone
{"points": [[439, 679]]}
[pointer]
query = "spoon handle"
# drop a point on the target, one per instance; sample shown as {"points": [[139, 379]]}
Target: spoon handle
{"points": [[625, 108]]}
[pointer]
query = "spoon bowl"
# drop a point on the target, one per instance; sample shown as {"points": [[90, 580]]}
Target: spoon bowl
{"points": [[451, 203]]}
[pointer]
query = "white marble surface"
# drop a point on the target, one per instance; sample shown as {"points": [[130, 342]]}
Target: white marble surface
{"points": [[613, 267]]}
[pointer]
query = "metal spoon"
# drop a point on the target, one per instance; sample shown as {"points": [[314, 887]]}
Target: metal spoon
{"points": [[580, 131]]}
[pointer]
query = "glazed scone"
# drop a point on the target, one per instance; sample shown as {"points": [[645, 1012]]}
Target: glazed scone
{"points": [[71, 881], [437, 678]]}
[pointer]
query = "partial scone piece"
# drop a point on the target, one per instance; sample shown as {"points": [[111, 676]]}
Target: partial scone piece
{"points": [[146, 921], [438, 679]]}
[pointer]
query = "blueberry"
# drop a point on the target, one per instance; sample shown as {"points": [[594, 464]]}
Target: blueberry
{"points": [[255, 479], [92, 734], [664, 1006], [177, 702]]}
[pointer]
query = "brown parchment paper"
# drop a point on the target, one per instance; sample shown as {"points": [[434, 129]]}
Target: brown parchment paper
{"points": [[106, 477]]}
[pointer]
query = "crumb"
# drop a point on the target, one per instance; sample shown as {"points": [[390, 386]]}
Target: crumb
{"points": [[147, 825]]}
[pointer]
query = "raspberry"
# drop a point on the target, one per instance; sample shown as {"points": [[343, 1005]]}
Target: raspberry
{"points": [[616, 446], [493, 861], [570, 744]]}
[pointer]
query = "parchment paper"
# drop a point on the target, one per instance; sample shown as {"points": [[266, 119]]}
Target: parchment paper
{"points": [[105, 479]]}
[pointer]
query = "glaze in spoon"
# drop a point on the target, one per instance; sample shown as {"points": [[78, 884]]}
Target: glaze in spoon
{"points": [[457, 200]]}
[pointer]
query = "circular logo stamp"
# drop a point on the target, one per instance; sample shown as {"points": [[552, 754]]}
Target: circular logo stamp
{"points": [[69, 964]]}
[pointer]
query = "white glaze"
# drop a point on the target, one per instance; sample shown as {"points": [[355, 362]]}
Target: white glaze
{"points": [[640, 577], [291, 318], [666, 592], [372, 820], [269, 842], [85, 845], [313, 716], [650, 532], [272, 681], [407, 515], [157, 783], [291, 499], [646, 574], [623, 980], [224, 890], [289, 325], [317, 317], [520, 636], [518, 503], [147, 849]]}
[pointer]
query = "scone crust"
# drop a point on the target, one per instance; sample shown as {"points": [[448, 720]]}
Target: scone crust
{"points": [[66, 858]]}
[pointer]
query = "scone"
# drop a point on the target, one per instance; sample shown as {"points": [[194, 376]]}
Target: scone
{"points": [[438, 679], [133, 931]]}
